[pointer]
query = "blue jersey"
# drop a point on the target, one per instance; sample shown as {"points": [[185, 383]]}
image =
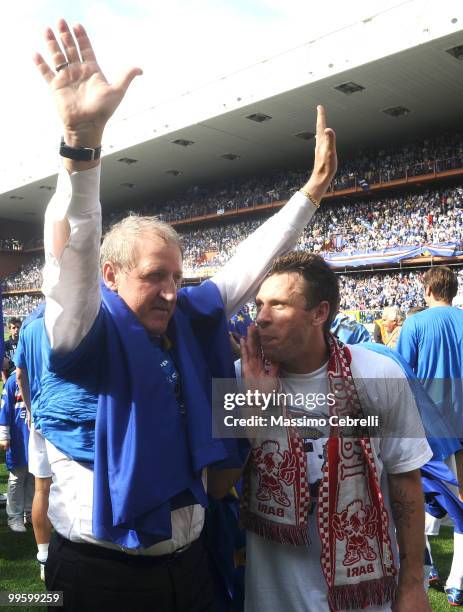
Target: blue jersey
{"points": [[29, 356], [432, 343], [13, 415], [348, 330]]}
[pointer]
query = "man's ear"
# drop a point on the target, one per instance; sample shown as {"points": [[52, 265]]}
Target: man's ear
{"points": [[320, 314], [110, 276]]}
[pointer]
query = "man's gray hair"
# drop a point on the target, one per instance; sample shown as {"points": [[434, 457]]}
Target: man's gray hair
{"points": [[392, 313], [120, 241]]}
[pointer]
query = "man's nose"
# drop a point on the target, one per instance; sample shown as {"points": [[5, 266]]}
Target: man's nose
{"points": [[169, 290], [263, 317]]}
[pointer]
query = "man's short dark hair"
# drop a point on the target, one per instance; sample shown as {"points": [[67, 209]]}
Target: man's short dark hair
{"points": [[14, 321], [321, 283], [442, 282]]}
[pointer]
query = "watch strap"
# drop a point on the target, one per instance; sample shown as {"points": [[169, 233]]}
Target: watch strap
{"points": [[79, 153]]}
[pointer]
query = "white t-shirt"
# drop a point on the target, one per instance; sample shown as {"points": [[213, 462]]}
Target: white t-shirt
{"points": [[285, 578]]}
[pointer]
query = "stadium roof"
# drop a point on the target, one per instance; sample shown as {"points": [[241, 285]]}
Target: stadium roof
{"points": [[225, 130]]}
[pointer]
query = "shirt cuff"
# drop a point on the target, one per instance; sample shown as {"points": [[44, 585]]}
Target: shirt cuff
{"points": [[302, 210]]}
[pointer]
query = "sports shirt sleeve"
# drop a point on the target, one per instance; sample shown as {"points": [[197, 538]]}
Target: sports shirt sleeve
{"points": [[71, 277], [407, 345], [240, 278], [19, 356], [7, 410]]}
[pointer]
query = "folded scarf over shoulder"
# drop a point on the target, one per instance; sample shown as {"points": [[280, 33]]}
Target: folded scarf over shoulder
{"points": [[356, 553]]}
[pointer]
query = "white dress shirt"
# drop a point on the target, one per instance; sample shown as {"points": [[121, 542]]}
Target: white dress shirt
{"points": [[71, 287]]}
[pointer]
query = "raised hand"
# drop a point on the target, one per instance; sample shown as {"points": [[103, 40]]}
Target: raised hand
{"points": [[84, 98], [326, 160]]}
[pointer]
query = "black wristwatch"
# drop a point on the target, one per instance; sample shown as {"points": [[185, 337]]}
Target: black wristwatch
{"points": [[79, 153]]}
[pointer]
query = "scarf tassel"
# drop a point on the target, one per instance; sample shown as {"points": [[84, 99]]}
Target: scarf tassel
{"points": [[282, 534], [363, 594]]}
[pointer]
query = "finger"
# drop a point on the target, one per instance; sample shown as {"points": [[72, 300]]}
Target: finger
{"points": [[57, 55], [68, 42], [83, 41], [321, 121], [253, 341], [244, 357], [44, 68], [123, 84]]}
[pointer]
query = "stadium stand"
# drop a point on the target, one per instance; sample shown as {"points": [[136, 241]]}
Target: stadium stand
{"points": [[369, 223]]}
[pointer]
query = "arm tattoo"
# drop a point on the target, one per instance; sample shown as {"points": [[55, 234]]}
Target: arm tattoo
{"points": [[402, 509]]}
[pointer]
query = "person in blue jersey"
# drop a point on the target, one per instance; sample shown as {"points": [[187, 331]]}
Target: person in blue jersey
{"points": [[348, 330], [125, 403], [29, 365], [14, 438], [432, 343]]}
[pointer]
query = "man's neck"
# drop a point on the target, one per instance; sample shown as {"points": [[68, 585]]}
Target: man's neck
{"points": [[433, 303], [316, 356]]}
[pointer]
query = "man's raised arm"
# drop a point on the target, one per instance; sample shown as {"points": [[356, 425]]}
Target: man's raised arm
{"points": [[85, 101], [239, 279]]}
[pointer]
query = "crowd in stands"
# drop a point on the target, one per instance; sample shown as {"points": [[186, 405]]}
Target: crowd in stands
{"points": [[440, 153], [437, 154], [375, 291], [10, 244], [429, 217], [20, 305], [434, 216], [28, 277], [359, 291]]}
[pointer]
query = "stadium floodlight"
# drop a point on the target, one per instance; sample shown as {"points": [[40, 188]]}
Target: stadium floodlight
{"points": [[128, 185], [349, 88], [230, 156], [47, 187], [128, 160], [173, 172], [16, 197], [396, 111], [259, 117], [456, 52], [183, 142], [304, 135]]}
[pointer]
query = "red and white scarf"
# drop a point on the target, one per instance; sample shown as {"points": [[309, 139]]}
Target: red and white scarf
{"points": [[356, 556]]}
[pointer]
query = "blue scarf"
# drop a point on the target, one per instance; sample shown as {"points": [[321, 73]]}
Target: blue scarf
{"points": [[439, 435], [150, 448], [440, 500]]}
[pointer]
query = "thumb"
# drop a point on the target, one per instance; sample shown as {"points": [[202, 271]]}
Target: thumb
{"points": [[123, 83]]}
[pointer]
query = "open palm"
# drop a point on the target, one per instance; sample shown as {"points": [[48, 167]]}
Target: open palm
{"points": [[84, 98]]}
